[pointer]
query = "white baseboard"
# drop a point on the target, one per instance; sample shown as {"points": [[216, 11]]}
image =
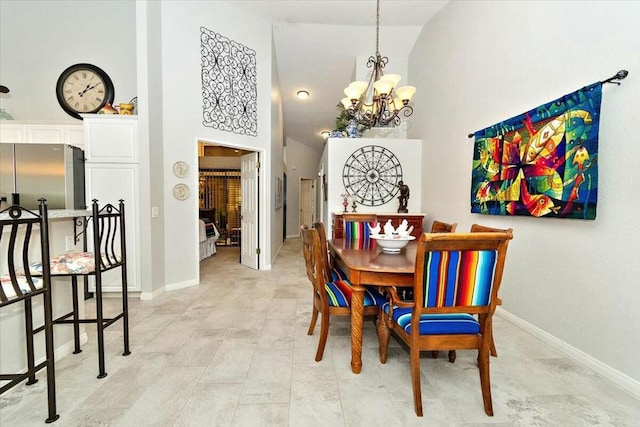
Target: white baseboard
{"points": [[118, 294], [181, 285], [62, 351], [621, 380], [148, 296], [67, 348]]}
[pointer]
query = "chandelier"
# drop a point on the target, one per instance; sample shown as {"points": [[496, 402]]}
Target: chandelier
{"points": [[378, 102]]}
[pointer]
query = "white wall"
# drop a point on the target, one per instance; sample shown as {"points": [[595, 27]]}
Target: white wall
{"points": [[150, 110], [408, 151], [182, 120], [477, 63], [39, 39], [277, 153], [163, 39]]}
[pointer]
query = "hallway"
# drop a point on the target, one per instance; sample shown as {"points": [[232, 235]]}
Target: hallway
{"points": [[234, 352]]}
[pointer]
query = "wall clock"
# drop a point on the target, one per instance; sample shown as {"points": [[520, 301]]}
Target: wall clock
{"points": [[371, 175], [84, 88]]}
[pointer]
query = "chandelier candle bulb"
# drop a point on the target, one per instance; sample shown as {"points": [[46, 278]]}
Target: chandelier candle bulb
{"points": [[359, 85], [352, 92], [393, 78], [405, 93], [383, 86]]}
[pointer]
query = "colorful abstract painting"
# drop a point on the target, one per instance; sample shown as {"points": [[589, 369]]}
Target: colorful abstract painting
{"points": [[543, 163]]}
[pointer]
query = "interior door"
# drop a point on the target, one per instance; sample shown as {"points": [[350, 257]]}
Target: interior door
{"points": [[307, 201], [249, 211]]}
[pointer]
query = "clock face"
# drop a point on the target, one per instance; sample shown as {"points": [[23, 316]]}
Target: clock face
{"points": [[371, 175], [84, 88]]}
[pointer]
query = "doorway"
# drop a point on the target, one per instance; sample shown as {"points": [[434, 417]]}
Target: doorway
{"points": [[284, 206], [228, 194], [307, 201]]}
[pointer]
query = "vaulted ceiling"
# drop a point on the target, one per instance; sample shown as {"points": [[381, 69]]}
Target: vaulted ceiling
{"points": [[316, 46]]}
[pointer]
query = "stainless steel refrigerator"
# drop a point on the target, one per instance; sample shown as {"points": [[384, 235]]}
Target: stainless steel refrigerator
{"points": [[33, 171]]}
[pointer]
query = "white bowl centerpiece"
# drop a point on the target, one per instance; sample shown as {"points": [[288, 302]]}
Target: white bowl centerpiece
{"points": [[393, 243]]}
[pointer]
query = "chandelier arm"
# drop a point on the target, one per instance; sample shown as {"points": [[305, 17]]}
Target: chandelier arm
{"points": [[407, 110]]}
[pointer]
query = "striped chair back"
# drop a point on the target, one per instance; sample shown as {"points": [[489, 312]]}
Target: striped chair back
{"points": [[461, 270], [458, 278], [357, 230]]}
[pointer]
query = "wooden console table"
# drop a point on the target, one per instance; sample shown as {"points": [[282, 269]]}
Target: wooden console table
{"points": [[396, 218]]}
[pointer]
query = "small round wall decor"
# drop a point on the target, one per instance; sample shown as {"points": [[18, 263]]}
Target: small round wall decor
{"points": [[371, 175], [181, 191], [181, 169]]}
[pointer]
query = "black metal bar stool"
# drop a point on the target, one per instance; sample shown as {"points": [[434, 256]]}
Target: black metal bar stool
{"points": [[109, 252], [21, 226]]}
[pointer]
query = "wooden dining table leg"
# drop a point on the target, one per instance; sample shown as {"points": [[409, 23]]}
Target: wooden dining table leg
{"points": [[357, 314]]}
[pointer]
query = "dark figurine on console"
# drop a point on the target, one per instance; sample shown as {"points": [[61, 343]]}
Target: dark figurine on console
{"points": [[403, 197]]}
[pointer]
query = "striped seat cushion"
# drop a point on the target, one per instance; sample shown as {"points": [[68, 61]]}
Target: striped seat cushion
{"points": [[436, 324], [337, 274], [339, 293]]}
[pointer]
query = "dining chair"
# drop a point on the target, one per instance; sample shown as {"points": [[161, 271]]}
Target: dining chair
{"points": [[456, 283], [332, 272], [19, 230], [477, 228], [109, 253], [441, 227], [436, 227], [329, 298], [357, 231]]}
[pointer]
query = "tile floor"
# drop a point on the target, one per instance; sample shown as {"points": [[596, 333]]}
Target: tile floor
{"points": [[235, 352]]}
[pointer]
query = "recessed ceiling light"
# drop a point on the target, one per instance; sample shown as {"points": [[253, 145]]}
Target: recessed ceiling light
{"points": [[302, 94]]}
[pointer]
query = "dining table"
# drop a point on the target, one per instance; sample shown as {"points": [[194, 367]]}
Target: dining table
{"points": [[373, 267]]}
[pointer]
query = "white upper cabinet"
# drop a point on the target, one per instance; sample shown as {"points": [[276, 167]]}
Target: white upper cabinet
{"points": [[110, 138], [41, 133]]}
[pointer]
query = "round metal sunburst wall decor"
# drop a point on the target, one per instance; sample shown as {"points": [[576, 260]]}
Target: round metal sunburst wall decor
{"points": [[371, 175]]}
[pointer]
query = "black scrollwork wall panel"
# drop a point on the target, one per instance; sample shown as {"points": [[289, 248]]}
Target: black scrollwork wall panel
{"points": [[229, 84]]}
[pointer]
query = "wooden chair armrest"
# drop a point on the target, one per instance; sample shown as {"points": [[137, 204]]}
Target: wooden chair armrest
{"points": [[396, 300]]}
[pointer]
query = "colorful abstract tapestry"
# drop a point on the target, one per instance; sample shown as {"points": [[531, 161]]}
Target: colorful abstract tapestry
{"points": [[542, 163]]}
